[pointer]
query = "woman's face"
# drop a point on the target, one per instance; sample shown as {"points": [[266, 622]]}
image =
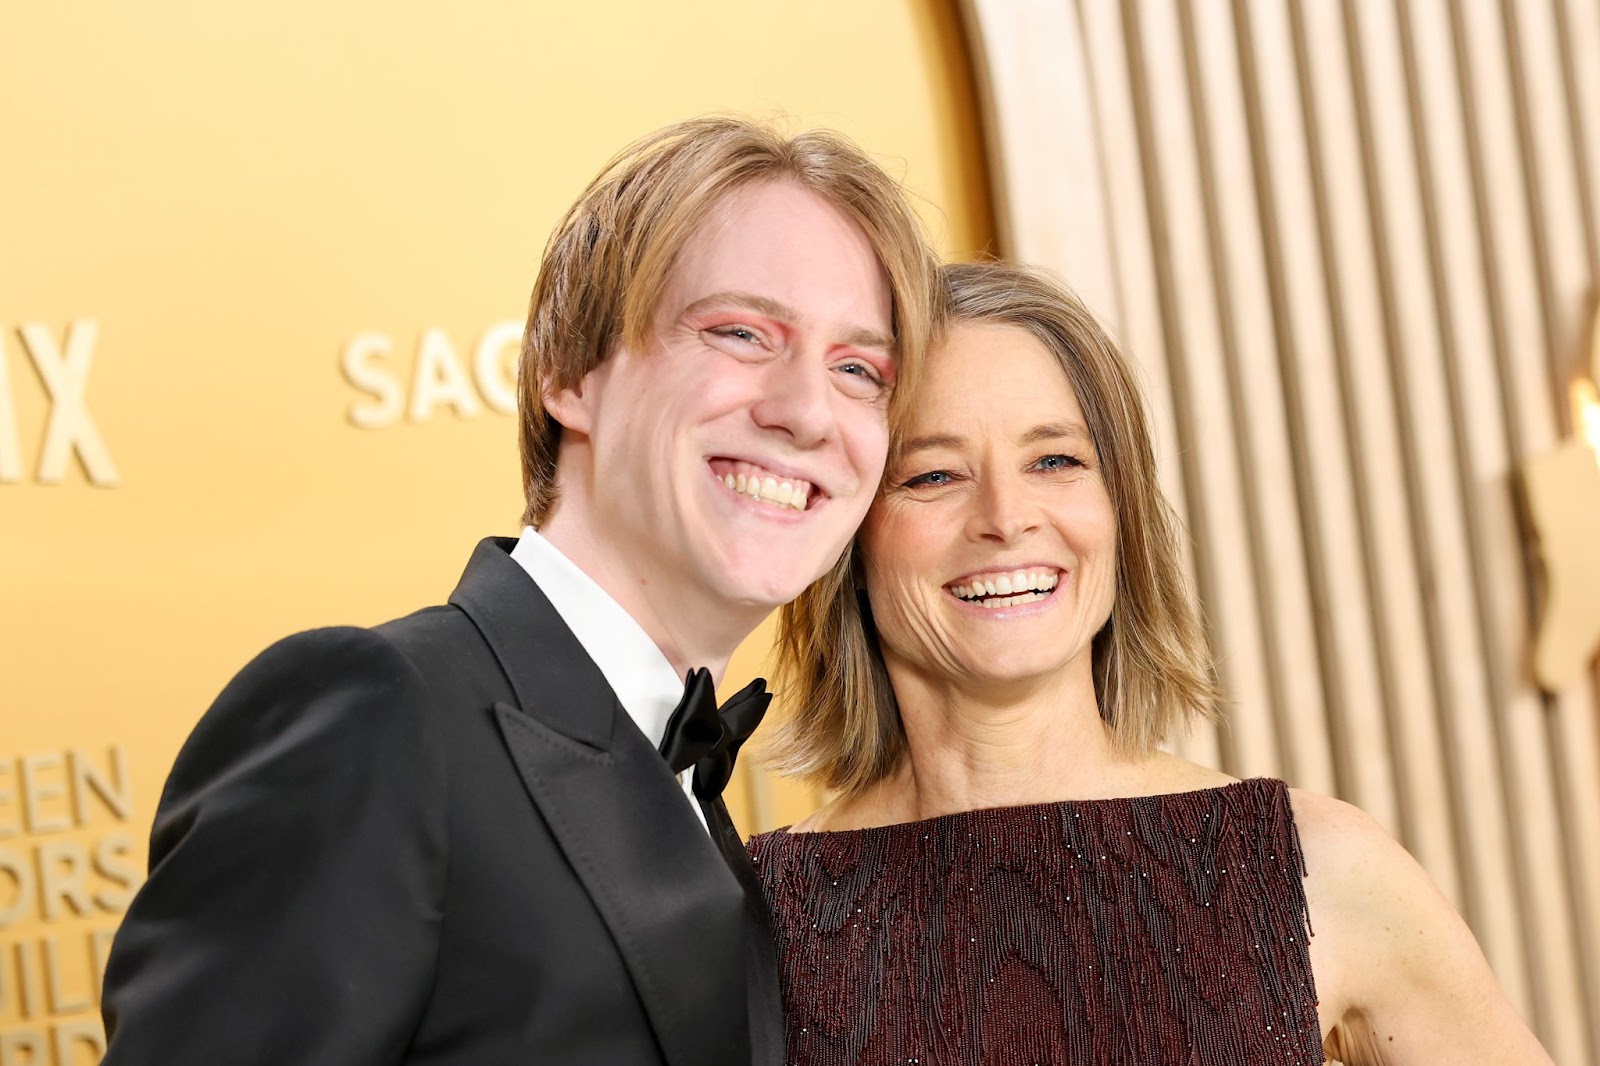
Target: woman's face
{"points": [[990, 555]]}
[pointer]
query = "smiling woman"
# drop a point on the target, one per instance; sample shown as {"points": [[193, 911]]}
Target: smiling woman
{"points": [[1013, 871], [1152, 664], [965, 517]]}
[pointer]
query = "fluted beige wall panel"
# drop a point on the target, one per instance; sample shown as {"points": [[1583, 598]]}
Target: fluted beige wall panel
{"points": [[1382, 507], [1354, 246], [1290, 588], [1194, 322], [1136, 292]]}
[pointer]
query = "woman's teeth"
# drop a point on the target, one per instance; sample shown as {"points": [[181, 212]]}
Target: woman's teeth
{"points": [[997, 602], [791, 494], [1008, 590]]}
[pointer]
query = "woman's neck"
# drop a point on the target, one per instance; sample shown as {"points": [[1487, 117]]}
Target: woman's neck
{"points": [[975, 744]]}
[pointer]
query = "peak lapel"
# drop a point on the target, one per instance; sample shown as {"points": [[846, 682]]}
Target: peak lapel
{"points": [[673, 908]]}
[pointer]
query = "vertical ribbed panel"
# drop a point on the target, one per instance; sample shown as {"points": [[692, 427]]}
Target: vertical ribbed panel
{"points": [[1188, 291], [1382, 509], [1272, 458], [1137, 314], [1354, 246]]}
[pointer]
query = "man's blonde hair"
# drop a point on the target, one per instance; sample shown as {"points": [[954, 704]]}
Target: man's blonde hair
{"points": [[607, 263], [1153, 668]]}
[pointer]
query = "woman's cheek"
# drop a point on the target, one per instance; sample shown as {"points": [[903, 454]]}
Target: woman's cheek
{"points": [[899, 618]]}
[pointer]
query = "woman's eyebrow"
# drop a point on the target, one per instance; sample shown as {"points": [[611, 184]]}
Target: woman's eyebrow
{"points": [[1050, 431], [932, 440]]}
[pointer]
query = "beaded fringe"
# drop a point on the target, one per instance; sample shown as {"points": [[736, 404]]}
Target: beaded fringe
{"points": [[1152, 930]]}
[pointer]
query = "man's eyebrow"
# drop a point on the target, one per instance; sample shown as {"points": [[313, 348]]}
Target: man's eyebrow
{"points": [[859, 337], [765, 305], [862, 337], [1049, 431]]}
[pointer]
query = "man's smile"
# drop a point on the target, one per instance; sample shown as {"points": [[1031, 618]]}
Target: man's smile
{"points": [[765, 485]]}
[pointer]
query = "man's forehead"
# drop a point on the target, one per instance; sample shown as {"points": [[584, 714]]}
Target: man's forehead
{"points": [[786, 252], [741, 219]]}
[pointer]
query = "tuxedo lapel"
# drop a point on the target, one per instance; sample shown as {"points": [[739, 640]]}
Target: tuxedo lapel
{"points": [[672, 906]]}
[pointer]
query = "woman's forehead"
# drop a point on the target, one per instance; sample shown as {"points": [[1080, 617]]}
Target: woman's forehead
{"points": [[986, 376]]}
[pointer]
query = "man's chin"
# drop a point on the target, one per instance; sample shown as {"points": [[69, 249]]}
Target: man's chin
{"points": [[765, 592]]}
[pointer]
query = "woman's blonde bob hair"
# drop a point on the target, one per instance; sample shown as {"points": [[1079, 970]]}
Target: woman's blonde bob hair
{"points": [[608, 260], [1153, 668]]}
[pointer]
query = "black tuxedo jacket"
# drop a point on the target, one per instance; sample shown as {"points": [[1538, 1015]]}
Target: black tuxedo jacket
{"points": [[438, 841]]}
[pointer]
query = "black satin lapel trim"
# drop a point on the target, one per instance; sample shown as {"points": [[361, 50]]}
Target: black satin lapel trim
{"points": [[763, 991], [544, 662], [673, 908]]}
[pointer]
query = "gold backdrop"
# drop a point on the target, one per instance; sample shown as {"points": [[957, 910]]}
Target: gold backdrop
{"points": [[262, 269]]}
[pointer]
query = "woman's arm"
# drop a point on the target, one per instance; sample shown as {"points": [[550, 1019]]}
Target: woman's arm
{"points": [[1399, 976]]}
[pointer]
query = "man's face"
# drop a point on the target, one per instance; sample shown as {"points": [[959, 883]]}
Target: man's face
{"points": [[738, 454]]}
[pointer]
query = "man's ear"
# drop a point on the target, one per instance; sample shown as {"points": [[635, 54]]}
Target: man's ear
{"points": [[569, 407]]}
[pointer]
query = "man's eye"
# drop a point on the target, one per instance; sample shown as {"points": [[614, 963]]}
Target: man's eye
{"points": [[863, 371], [738, 333], [931, 478]]}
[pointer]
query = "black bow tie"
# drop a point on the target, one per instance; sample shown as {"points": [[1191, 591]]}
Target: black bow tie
{"points": [[708, 739]]}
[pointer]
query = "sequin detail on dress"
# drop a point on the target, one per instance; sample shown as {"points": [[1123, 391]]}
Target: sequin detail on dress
{"points": [[1125, 932]]}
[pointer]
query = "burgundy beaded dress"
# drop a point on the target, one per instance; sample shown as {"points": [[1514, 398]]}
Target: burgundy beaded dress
{"points": [[1125, 932]]}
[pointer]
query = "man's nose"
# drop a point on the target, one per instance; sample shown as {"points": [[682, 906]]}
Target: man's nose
{"points": [[797, 400]]}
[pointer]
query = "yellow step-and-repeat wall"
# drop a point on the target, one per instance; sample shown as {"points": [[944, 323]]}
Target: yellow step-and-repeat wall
{"points": [[262, 275]]}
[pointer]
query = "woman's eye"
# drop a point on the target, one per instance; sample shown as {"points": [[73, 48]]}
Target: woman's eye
{"points": [[932, 477], [1058, 462]]}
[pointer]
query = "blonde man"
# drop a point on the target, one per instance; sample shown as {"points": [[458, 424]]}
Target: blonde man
{"points": [[451, 839]]}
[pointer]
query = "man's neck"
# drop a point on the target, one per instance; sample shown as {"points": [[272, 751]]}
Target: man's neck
{"points": [[692, 627]]}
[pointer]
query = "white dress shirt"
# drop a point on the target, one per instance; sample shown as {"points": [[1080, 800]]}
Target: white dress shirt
{"points": [[644, 681]]}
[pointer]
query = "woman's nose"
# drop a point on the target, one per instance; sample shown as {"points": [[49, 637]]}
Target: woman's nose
{"points": [[1003, 511]]}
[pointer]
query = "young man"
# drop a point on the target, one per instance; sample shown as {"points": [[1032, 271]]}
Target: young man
{"points": [[451, 839]]}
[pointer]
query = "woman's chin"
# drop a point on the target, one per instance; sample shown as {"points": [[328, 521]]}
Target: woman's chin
{"points": [[997, 673]]}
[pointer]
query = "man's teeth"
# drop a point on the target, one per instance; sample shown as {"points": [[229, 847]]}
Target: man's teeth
{"points": [[1009, 590], [791, 494]]}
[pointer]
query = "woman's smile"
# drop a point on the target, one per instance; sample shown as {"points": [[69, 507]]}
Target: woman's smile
{"points": [[995, 592]]}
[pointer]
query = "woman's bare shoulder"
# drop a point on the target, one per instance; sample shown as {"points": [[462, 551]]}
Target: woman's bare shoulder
{"points": [[1340, 833], [1358, 876], [1163, 772], [815, 822], [837, 813], [1399, 974], [1361, 886]]}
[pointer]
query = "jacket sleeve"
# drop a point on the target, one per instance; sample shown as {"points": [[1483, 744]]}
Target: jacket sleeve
{"points": [[297, 866]]}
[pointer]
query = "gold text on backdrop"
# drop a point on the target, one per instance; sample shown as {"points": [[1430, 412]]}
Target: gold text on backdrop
{"points": [[64, 373], [67, 873], [438, 378]]}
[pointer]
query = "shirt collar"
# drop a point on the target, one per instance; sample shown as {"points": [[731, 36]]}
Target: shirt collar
{"points": [[644, 681]]}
